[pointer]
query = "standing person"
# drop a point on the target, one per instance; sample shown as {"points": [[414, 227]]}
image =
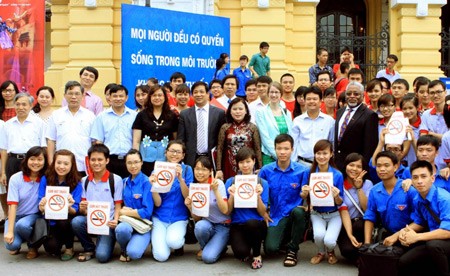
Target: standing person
{"points": [[138, 203], [287, 84], [19, 134], [329, 105], [410, 107], [212, 232], [356, 128], [272, 121], [262, 87], [286, 219], [357, 189], [326, 221], [230, 85], [237, 133], [248, 228], [153, 128], [400, 88], [113, 128], [243, 74], [140, 96], [321, 65], [346, 56], [88, 77], [428, 235], [98, 186], [221, 70], [324, 80], [176, 79], [215, 88], [199, 125], [182, 96], [374, 92], [389, 73], [9, 90], [170, 216], [310, 127], [340, 83], [251, 92], [43, 108], [70, 126], [422, 94], [300, 105], [61, 173], [260, 62], [106, 90], [23, 202]]}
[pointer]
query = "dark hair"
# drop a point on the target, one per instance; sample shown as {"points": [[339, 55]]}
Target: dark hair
{"points": [[385, 99], [34, 152], [353, 157], [227, 77], [264, 79], [281, 138], [386, 81], [388, 154], [434, 83], [329, 91], [392, 56], [131, 152], [301, 90], [149, 106], [72, 178], [421, 164], [219, 64], [236, 100], [177, 142], [320, 145], [118, 87], [100, 148], [167, 86], [213, 82], [178, 75], [244, 153], [419, 81], [346, 49], [224, 56], [37, 106], [199, 83], [372, 84], [263, 45], [314, 90], [249, 83], [182, 88], [356, 71], [286, 75], [205, 161], [324, 72], [446, 112], [90, 69], [145, 89], [341, 100], [109, 86], [409, 98], [402, 81], [243, 57], [344, 66], [152, 80], [71, 84], [321, 50], [5, 85], [428, 140]]}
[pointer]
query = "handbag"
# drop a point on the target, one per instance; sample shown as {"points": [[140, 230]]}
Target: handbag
{"points": [[377, 259], [141, 226], [39, 234], [190, 238]]}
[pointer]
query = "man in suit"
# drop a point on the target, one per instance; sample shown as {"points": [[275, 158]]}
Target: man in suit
{"points": [[356, 128], [199, 125]]}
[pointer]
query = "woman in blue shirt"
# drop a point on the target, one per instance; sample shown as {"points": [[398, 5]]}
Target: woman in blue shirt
{"points": [[170, 216], [138, 203], [248, 228], [23, 201], [326, 221], [62, 172]]}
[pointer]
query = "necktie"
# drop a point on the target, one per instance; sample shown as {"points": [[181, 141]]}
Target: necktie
{"points": [[344, 124], [201, 131]]}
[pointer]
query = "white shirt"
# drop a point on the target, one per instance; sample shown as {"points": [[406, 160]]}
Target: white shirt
{"points": [[18, 137], [225, 101], [206, 123], [71, 132]]}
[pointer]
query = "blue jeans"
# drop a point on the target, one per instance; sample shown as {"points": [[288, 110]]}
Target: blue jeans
{"points": [[166, 236], [23, 228], [213, 238], [105, 243], [131, 241]]}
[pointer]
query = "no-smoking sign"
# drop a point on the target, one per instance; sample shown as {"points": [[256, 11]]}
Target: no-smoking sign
{"points": [[245, 191], [164, 178], [395, 127], [321, 189], [199, 199], [98, 217], [56, 203]]}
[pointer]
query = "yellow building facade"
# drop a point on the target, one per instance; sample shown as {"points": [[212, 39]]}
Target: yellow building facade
{"points": [[81, 35]]}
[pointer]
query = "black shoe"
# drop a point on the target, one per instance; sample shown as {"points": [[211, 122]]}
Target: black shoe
{"points": [[179, 252]]}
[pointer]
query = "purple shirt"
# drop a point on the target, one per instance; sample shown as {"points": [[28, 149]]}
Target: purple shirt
{"points": [[90, 101]]}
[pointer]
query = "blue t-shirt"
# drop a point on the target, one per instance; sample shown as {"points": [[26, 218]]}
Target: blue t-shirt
{"points": [[439, 181], [137, 195], [242, 215], [439, 202]]}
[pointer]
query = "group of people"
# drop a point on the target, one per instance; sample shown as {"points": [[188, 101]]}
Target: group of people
{"points": [[213, 134]]}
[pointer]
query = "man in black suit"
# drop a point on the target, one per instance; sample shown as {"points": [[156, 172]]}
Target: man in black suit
{"points": [[356, 128], [200, 138]]}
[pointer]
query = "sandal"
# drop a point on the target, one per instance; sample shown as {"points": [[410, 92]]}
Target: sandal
{"points": [[124, 257], [257, 263], [318, 258], [332, 257], [291, 259], [85, 256], [199, 255], [67, 256], [14, 252], [32, 254]]}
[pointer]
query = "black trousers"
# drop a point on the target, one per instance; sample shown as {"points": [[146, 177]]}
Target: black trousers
{"points": [[117, 165], [247, 238], [12, 166], [427, 258], [60, 233], [346, 247]]}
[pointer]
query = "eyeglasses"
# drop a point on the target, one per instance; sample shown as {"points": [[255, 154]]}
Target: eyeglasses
{"points": [[175, 151], [386, 106], [9, 91], [323, 79], [437, 92], [330, 98], [135, 163], [354, 93]]}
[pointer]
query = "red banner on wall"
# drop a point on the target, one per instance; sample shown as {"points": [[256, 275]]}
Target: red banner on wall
{"points": [[22, 43]]}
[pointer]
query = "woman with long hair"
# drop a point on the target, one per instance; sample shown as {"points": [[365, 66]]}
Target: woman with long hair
{"points": [[43, 108], [9, 90]]}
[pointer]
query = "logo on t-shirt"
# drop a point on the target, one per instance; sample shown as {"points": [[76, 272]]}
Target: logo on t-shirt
{"points": [[401, 207], [294, 185]]}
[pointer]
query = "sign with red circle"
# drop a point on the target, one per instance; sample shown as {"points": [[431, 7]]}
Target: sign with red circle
{"points": [[56, 203], [246, 191]]}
